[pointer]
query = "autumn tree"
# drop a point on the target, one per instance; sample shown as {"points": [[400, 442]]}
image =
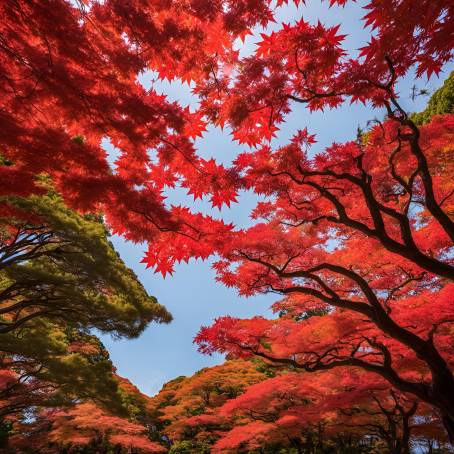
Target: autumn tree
{"points": [[322, 412], [186, 409], [88, 424], [351, 232]]}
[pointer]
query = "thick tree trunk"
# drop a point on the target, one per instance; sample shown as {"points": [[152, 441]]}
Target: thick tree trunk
{"points": [[320, 437]]}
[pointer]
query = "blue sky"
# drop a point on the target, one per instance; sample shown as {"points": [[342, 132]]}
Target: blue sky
{"points": [[164, 352]]}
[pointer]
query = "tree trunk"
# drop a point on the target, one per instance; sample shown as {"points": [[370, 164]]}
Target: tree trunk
{"points": [[320, 436], [406, 429]]}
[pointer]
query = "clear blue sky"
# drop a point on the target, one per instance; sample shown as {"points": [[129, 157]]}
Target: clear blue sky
{"points": [[164, 352]]}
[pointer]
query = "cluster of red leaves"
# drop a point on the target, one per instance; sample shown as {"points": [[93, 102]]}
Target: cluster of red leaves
{"points": [[321, 340], [306, 63], [85, 422]]}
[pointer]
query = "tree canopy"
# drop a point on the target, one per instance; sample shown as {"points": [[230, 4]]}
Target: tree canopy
{"points": [[56, 263]]}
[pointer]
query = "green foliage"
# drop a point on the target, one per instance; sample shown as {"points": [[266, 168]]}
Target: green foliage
{"points": [[195, 411], [190, 447], [77, 276], [79, 139], [264, 368], [441, 102], [74, 363], [4, 161], [60, 277], [134, 405], [266, 345]]}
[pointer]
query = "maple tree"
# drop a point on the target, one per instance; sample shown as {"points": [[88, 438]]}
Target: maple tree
{"points": [[368, 294], [286, 411], [86, 408]]}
